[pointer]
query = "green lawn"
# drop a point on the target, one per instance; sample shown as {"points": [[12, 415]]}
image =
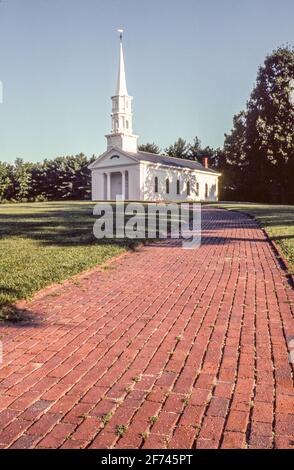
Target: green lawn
{"points": [[48, 242], [277, 220], [44, 243]]}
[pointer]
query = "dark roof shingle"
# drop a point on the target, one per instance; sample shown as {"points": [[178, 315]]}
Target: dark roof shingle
{"points": [[170, 161]]}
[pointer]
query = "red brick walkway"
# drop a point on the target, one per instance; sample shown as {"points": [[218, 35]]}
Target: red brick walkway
{"points": [[167, 348]]}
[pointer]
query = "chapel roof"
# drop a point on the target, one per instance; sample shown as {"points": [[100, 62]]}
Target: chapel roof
{"points": [[169, 161]]}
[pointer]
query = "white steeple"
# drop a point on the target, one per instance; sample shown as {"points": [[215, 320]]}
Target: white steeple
{"points": [[121, 135], [121, 88]]}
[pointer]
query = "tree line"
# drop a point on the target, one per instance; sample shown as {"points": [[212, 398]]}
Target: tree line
{"points": [[68, 177], [256, 160], [61, 178], [180, 149]]}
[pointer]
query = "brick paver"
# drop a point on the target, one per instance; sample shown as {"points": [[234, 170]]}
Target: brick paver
{"points": [[167, 348]]}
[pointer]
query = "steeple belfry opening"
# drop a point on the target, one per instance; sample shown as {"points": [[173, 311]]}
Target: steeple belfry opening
{"points": [[121, 135]]}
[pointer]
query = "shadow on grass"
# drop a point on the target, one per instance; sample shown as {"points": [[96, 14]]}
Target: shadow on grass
{"points": [[7, 290], [69, 226], [72, 224]]}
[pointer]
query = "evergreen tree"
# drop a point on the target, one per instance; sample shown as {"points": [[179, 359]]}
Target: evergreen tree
{"points": [[257, 160], [149, 147], [194, 149], [180, 149], [269, 137], [62, 178], [233, 163]]}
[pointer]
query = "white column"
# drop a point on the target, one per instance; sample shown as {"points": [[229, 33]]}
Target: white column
{"points": [[108, 186], [123, 184]]}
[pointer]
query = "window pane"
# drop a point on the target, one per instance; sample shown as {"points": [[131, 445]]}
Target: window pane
{"points": [[188, 188], [167, 186]]}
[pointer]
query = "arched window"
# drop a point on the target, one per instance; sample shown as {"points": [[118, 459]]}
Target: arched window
{"points": [[156, 184], [206, 190], [178, 187], [127, 184], [105, 186], [116, 124], [188, 188], [167, 186], [197, 189], [127, 124]]}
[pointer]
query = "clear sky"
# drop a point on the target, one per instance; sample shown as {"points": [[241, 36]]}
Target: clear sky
{"points": [[190, 66]]}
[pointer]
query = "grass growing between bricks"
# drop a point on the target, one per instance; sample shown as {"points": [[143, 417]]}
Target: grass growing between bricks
{"points": [[46, 243], [277, 220], [121, 430]]}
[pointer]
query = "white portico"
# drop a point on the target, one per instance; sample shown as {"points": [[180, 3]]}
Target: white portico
{"points": [[124, 171], [111, 178]]}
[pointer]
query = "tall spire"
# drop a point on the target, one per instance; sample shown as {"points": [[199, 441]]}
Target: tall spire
{"points": [[121, 88], [121, 135]]}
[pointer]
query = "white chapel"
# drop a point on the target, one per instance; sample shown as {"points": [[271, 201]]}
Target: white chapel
{"points": [[123, 171]]}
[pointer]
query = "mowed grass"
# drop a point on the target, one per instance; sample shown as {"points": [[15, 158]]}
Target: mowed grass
{"points": [[45, 243], [277, 220]]}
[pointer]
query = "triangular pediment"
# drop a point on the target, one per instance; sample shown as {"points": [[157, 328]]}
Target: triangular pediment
{"points": [[113, 157]]}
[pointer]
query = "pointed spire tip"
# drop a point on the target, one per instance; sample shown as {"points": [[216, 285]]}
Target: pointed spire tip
{"points": [[121, 88], [120, 31]]}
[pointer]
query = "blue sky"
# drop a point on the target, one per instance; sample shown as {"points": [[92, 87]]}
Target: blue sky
{"points": [[190, 66]]}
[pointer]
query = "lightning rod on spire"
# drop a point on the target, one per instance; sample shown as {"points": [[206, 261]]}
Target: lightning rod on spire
{"points": [[120, 31]]}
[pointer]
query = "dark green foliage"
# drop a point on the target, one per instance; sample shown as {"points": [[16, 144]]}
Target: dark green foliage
{"points": [[269, 136], [190, 151], [194, 149], [62, 178], [231, 161], [258, 155], [179, 149], [22, 179], [6, 181], [149, 147]]}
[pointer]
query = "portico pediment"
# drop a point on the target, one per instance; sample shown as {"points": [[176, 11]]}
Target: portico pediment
{"points": [[112, 158]]}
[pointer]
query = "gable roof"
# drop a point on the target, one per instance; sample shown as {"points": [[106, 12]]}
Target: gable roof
{"points": [[170, 161], [155, 158]]}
